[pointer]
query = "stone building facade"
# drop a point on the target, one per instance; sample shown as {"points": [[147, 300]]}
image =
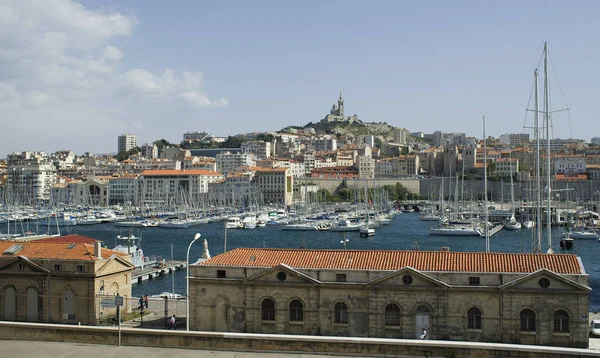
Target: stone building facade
{"points": [[60, 282], [466, 296]]}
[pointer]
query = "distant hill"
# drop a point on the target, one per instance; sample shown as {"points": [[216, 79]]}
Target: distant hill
{"points": [[383, 131]]}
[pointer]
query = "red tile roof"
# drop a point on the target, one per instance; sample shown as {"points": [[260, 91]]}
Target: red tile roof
{"points": [[571, 177], [69, 239], [42, 250], [395, 260]]}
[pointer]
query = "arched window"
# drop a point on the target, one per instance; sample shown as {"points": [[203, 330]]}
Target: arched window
{"points": [[268, 310], [392, 315], [296, 311], [527, 320], [10, 303], [32, 313], [474, 318], [341, 313], [561, 321]]}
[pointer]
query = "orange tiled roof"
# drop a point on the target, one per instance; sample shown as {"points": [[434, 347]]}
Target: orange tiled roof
{"points": [[571, 176], [42, 250], [177, 172], [395, 260], [69, 239]]}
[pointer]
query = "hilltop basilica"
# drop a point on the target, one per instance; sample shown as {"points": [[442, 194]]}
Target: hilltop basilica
{"points": [[337, 114]]}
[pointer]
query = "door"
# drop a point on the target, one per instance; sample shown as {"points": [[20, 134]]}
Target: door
{"points": [[221, 321], [10, 304], [68, 306], [32, 304], [422, 322]]}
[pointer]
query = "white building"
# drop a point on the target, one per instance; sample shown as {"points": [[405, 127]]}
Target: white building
{"points": [[505, 167], [226, 162], [365, 166], [259, 148], [367, 139], [399, 136], [126, 142], [445, 139], [174, 186], [122, 190], [276, 185], [30, 177], [323, 144], [595, 141], [195, 136], [149, 150], [569, 164]]}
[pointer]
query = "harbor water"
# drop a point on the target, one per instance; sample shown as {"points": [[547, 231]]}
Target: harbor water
{"points": [[405, 232]]}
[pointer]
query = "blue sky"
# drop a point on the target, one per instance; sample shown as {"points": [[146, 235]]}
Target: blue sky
{"points": [[157, 69]]}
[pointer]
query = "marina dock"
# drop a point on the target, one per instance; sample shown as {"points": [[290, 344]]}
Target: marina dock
{"points": [[151, 271]]}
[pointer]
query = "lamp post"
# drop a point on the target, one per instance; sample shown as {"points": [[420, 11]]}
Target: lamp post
{"points": [[187, 284]]}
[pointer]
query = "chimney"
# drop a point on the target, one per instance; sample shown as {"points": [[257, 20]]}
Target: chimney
{"points": [[98, 250]]}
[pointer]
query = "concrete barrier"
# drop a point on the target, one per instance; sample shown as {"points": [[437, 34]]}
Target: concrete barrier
{"points": [[278, 343]]}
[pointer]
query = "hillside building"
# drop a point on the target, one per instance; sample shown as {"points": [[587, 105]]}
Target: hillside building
{"points": [[126, 142]]}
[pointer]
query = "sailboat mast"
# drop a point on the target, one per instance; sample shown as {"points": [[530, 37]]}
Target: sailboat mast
{"points": [[538, 194], [547, 120], [487, 219]]}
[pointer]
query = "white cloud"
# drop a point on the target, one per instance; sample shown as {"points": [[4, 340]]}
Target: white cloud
{"points": [[112, 53], [61, 79]]}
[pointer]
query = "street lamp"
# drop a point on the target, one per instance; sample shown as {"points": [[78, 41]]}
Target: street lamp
{"points": [[187, 284]]}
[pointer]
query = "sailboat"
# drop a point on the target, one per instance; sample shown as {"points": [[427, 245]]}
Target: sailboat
{"points": [[512, 223], [537, 239]]}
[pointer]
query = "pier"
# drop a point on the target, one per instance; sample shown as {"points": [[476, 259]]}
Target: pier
{"points": [[151, 271]]}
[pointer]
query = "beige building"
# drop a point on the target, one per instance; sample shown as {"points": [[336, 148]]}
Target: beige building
{"points": [[60, 282], [468, 296]]}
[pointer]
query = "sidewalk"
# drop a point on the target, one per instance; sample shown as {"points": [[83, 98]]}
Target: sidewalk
{"points": [[29, 349]]}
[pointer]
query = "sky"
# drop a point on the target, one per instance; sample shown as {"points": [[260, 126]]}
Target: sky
{"points": [[77, 74]]}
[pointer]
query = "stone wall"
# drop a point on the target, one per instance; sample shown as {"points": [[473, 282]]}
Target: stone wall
{"points": [[283, 343]]}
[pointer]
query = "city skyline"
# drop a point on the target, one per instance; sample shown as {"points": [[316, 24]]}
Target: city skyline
{"points": [[76, 75]]}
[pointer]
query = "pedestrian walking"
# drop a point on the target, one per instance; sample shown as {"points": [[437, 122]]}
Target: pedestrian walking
{"points": [[146, 301], [173, 320], [141, 302]]}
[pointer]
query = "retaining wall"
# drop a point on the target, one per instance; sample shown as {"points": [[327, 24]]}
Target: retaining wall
{"points": [[278, 343]]}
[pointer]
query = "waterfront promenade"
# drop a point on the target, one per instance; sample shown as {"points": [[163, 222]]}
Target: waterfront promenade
{"points": [[36, 349], [29, 349]]}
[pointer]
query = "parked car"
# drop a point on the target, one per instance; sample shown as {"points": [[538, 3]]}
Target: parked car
{"points": [[595, 327]]}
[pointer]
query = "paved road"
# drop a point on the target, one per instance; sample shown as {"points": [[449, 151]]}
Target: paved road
{"points": [[27, 349]]}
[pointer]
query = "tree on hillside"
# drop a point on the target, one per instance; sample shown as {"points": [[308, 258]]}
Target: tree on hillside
{"points": [[232, 142], [126, 155]]}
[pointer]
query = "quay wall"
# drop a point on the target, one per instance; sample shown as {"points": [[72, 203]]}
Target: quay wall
{"points": [[430, 188], [278, 343]]}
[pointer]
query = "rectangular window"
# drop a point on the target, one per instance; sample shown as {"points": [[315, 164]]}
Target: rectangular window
{"points": [[221, 274], [340, 277], [473, 281], [80, 268], [57, 267]]}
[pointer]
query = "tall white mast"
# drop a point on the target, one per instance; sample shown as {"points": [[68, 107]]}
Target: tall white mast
{"points": [[538, 184], [487, 236], [547, 120]]}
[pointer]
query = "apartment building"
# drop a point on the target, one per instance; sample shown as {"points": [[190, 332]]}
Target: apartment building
{"points": [[126, 142], [276, 185], [226, 162], [506, 167], [30, 177], [260, 149], [174, 186]]}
